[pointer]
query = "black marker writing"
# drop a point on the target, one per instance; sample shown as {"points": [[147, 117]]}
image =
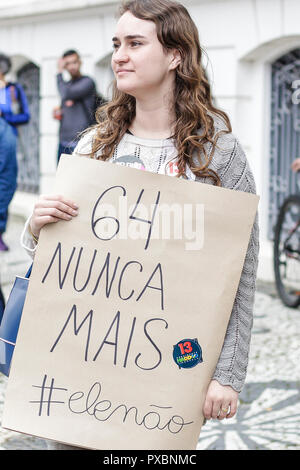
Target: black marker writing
{"points": [[89, 274], [152, 342], [49, 391], [112, 275], [150, 222], [121, 277], [103, 410], [95, 221], [109, 283], [61, 277], [158, 287], [112, 343], [76, 322], [76, 328]]}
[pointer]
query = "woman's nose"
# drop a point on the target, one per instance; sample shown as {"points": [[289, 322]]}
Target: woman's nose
{"points": [[120, 56]]}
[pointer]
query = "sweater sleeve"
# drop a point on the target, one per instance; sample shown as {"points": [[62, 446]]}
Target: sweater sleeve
{"points": [[233, 361], [27, 242], [76, 89]]}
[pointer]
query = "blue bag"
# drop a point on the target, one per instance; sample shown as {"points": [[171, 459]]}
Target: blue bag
{"points": [[2, 304], [11, 320]]}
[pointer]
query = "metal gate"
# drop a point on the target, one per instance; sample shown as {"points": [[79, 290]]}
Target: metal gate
{"points": [[28, 140], [285, 131]]}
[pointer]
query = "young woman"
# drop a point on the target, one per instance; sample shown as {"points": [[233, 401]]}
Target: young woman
{"points": [[161, 118]]}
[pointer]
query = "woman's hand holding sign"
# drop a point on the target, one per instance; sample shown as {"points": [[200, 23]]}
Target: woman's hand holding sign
{"points": [[49, 209]]}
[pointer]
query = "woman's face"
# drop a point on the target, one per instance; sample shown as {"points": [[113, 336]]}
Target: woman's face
{"points": [[140, 64]]}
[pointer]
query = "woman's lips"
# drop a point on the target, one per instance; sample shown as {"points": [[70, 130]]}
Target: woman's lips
{"points": [[122, 72]]}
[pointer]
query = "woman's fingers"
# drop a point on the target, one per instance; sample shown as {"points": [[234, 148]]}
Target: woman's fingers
{"points": [[61, 206], [233, 409], [51, 208], [53, 212], [224, 409], [207, 408], [216, 408], [59, 198], [48, 219]]}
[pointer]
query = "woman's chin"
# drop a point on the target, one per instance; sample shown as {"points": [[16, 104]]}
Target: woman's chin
{"points": [[126, 88]]}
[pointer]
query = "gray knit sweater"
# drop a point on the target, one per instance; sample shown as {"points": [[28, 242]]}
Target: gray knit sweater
{"points": [[230, 163]]}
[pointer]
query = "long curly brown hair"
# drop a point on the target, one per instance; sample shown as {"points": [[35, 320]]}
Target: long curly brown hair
{"points": [[193, 104]]}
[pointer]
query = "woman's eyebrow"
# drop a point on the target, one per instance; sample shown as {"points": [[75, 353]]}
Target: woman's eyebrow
{"points": [[130, 36]]}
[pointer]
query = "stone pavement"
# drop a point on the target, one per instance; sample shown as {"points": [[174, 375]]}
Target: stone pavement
{"points": [[268, 416]]}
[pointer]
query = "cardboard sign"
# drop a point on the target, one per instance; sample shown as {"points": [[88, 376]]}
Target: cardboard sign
{"points": [[127, 309]]}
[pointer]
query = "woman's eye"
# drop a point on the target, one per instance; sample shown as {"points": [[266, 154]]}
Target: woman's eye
{"points": [[135, 43], [132, 44]]}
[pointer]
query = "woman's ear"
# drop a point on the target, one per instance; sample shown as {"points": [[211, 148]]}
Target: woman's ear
{"points": [[175, 59]]}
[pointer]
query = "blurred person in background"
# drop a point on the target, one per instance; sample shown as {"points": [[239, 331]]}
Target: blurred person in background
{"points": [[296, 165], [13, 112], [78, 102]]}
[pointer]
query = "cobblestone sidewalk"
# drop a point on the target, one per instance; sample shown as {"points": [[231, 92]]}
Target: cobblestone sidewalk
{"points": [[268, 417], [269, 412]]}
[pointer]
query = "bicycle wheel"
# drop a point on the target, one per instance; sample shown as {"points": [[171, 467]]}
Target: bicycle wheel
{"points": [[287, 252]]}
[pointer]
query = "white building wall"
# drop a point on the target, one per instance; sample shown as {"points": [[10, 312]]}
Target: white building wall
{"points": [[240, 37]]}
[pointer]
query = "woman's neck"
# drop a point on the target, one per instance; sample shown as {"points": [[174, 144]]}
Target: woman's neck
{"points": [[154, 119]]}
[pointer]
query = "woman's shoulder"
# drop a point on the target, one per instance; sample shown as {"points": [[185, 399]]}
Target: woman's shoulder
{"points": [[229, 159], [85, 144], [225, 138], [228, 144]]}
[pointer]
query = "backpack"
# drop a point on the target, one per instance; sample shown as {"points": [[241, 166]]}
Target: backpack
{"points": [[16, 91]]}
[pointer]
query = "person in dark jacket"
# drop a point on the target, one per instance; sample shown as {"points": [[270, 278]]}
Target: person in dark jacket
{"points": [[13, 112], [13, 102], [8, 174], [78, 98]]}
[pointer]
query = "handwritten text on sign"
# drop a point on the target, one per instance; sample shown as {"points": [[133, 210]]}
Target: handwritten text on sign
{"points": [[90, 403], [112, 273]]}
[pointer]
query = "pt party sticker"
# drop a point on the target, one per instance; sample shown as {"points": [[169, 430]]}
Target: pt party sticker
{"points": [[187, 353]]}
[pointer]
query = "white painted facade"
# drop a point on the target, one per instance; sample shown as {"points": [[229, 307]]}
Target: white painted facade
{"points": [[241, 37]]}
